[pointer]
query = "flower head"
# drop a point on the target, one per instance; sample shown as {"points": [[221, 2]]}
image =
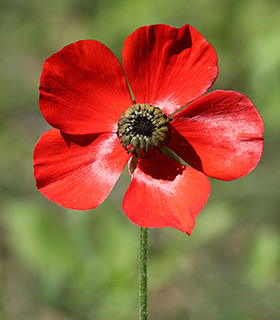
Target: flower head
{"points": [[99, 127]]}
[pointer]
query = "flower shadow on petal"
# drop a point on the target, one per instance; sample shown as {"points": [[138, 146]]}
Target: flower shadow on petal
{"points": [[80, 140], [161, 167], [183, 42], [183, 149]]}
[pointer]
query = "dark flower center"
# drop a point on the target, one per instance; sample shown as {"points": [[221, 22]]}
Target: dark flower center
{"points": [[143, 127]]}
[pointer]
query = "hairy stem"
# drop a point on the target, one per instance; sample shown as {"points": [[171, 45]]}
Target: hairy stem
{"points": [[143, 288]]}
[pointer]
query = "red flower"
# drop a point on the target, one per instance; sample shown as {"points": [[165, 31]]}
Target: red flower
{"points": [[99, 127]]}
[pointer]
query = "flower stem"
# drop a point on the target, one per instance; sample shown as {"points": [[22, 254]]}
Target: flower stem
{"points": [[143, 289]]}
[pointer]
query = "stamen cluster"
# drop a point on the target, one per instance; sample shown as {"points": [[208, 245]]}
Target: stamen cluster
{"points": [[143, 127]]}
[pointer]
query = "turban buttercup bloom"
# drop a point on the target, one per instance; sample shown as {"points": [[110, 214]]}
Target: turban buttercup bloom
{"points": [[99, 126]]}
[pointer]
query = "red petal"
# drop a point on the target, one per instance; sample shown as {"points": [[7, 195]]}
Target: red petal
{"points": [[78, 172], [168, 67], [83, 89], [164, 193], [219, 134]]}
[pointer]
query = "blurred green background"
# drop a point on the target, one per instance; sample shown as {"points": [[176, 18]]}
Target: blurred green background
{"points": [[58, 264]]}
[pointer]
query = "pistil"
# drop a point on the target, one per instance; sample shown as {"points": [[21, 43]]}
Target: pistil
{"points": [[143, 128]]}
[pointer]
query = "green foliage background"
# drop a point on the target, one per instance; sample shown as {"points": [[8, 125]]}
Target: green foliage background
{"points": [[58, 264]]}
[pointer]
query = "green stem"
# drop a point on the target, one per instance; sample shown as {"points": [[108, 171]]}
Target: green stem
{"points": [[143, 289]]}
